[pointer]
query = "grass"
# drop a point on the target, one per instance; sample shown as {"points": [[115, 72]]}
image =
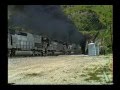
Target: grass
{"points": [[98, 74], [93, 75]]}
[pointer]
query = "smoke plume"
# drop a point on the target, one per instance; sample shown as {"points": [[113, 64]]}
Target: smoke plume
{"points": [[45, 19]]}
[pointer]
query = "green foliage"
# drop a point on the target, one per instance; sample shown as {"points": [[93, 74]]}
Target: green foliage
{"points": [[86, 21], [104, 12], [99, 73], [90, 18]]}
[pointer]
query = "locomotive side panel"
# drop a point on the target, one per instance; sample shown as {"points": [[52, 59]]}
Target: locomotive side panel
{"points": [[55, 46], [22, 42], [30, 41], [38, 42], [52, 46]]}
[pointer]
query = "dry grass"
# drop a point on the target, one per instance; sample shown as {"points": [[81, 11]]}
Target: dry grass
{"points": [[64, 69]]}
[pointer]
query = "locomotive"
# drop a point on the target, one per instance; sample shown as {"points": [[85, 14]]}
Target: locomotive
{"points": [[24, 43]]}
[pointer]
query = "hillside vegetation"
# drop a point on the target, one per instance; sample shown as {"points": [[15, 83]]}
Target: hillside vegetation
{"points": [[89, 19]]}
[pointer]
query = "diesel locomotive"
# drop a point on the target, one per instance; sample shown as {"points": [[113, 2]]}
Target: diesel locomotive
{"points": [[24, 43]]}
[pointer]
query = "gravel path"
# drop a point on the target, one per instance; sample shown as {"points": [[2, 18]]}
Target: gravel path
{"points": [[63, 69]]}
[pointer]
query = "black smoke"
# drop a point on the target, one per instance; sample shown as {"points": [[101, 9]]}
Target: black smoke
{"points": [[45, 19]]}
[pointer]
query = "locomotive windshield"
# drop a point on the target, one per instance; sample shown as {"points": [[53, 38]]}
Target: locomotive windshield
{"points": [[21, 33]]}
